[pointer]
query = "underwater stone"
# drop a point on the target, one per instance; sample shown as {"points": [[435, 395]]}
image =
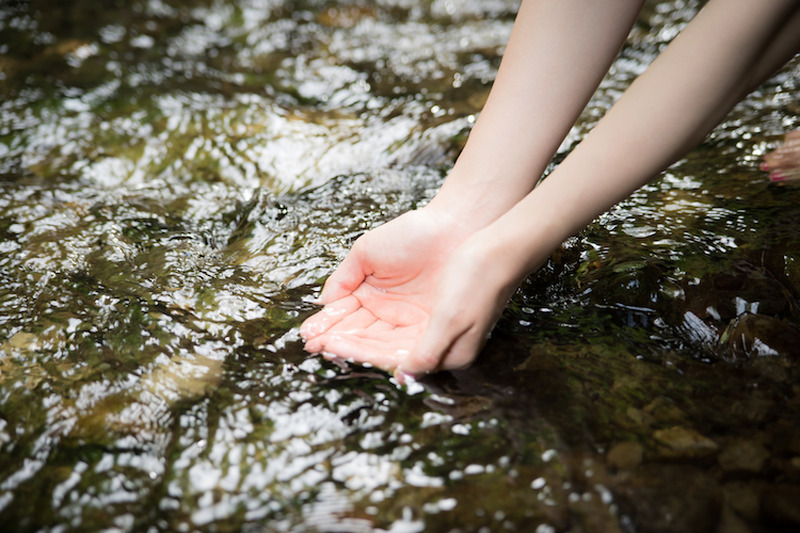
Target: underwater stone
{"points": [[671, 499], [730, 522], [756, 335], [625, 455], [682, 443], [743, 456], [743, 498], [779, 504]]}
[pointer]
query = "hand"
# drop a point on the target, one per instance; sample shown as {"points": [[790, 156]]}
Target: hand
{"points": [[475, 286], [377, 303], [784, 163]]}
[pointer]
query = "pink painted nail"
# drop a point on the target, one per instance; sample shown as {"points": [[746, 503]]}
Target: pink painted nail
{"points": [[777, 176], [764, 167]]}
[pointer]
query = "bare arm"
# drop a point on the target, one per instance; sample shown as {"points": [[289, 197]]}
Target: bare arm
{"points": [[556, 57], [666, 112], [713, 63]]}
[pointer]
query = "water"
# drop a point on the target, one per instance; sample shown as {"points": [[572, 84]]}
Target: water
{"points": [[178, 177]]}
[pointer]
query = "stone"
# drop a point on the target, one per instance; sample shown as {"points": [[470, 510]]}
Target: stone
{"points": [[729, 522], [743, 498], [625, 455], [670, 498], [743, 456], [752, 335], [779, 505], [681, 443]]}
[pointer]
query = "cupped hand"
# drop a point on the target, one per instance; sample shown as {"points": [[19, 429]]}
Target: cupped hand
{"points": [[414, 296], [378, 301], [474, 288]]}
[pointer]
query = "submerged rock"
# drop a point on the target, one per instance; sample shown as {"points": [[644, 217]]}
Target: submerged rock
{"points": [[743, 456], [756, 335], [671, 498], [682, 443], [625, 455], [779, 504], [744, 499]]}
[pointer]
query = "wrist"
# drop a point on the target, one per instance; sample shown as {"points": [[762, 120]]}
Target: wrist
{"points": [[522, 239], [497, 259], [472, 201]]}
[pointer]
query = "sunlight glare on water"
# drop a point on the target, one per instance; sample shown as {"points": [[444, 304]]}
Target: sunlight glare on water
{"points": [[178, 177]]}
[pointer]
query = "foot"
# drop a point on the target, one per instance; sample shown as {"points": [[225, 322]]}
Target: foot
{"points": [[783, 164]]}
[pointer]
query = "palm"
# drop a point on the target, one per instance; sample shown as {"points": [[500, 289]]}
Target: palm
{"points": [[378, 301]]}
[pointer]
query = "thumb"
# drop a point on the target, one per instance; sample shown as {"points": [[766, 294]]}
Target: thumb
{"points": [[345, 279], [442, 349], [429, 351]]}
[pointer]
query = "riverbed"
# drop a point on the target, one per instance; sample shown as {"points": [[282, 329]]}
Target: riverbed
{"points": [[177, 179]]}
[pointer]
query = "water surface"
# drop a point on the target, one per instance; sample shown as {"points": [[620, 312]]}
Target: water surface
{"points": [[177, 178]]}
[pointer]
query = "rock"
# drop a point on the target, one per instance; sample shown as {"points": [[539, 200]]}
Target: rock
{"points": [[754, 335], [743, 456], [779, 505], [681, 443], [729, 522], [787, 441], [670, 499], [625, 455], [743, 498]]}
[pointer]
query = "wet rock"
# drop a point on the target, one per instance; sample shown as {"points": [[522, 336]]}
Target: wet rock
{"points": [[20, 341], [671, 498], [753, 408], [625, 455], [787, 441], [730, 522], [726, 295], [753, 335], [681, 443], [779, 505], [743, 456], [743, 498], [662, 411]]}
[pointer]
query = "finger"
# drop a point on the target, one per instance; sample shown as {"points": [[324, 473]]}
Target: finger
{"points": [[463, 351], [434, 343], [392, 305], [792, 138], [786, 156], [379, 328], [346, 278], [328, 316], [355, 322], [382, 354]]}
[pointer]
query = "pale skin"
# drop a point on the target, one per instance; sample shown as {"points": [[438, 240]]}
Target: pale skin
{"points": [[421, 293], [783, 164]]}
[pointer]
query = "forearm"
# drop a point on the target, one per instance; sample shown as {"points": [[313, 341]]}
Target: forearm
{"points": [[556, 57], [664, 113]]}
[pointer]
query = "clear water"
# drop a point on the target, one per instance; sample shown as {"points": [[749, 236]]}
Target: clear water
{"points": [[178, 177]]}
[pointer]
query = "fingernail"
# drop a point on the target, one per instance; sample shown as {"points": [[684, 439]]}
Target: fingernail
{"points": [[404, 378], [764, 167], [777, 176]]}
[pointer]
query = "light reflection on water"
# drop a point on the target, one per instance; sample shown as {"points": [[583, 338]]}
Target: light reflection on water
{"points": [[177, 179]]}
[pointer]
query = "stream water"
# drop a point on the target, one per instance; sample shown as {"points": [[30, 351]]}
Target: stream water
{"points": [[177, 178]]}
